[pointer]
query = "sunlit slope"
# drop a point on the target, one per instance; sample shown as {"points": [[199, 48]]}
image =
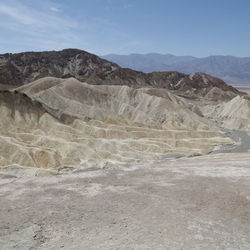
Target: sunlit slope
{"points": [[64, 124]]}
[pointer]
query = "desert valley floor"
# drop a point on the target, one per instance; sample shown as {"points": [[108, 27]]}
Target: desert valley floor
{"points": [[188, 203]]}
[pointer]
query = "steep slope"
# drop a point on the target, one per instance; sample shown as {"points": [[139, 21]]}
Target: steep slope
{"points": [[119, 103], [234, 114], [65, 124], [22, 68]]}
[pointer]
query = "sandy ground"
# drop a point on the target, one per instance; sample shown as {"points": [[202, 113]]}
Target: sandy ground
{"points": [[187, 203]]}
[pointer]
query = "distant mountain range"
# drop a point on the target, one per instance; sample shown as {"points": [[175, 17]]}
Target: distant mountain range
{"points": [[233, 70]]}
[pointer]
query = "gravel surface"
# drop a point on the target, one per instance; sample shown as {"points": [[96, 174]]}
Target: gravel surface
{"points": [[187, 203]]}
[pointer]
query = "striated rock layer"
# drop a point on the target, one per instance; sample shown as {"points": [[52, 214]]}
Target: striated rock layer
{"points": [[65, 124], [234, 114]]}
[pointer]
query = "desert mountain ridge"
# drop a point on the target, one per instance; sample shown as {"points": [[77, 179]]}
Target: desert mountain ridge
{"points": [[22, 68]]}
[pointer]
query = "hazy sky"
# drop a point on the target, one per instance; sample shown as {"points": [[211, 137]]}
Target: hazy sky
{"points": [[180, 27]]}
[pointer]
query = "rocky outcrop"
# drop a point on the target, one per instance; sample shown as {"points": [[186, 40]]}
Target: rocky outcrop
{"points": [[22, 68]]}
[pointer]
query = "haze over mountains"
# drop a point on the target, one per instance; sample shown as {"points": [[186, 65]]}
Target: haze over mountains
{"points": [[233, 70]]}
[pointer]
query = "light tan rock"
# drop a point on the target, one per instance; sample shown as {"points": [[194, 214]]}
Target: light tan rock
{"points": [[66, 124]]}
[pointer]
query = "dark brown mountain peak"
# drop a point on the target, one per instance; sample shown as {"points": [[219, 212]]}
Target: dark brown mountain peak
{"points": [[22, 68]]}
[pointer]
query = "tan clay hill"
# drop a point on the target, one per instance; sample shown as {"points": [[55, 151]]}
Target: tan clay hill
{"points": [[234, 114], [65, 124]]}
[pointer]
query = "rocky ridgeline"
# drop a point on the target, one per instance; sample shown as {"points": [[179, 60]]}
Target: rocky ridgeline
{"points": [[22, 68]]}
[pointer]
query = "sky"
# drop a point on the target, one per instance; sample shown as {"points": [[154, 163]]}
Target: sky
{"points": [[180, 27]]}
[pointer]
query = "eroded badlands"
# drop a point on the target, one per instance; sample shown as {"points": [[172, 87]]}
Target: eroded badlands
{"points": [[63, 124]]}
